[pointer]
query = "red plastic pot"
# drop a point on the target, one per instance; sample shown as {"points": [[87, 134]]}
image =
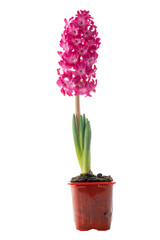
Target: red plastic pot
{"points": [[92, 205]]}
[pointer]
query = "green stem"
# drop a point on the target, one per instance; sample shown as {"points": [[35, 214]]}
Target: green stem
{"points": [[77, 110]]}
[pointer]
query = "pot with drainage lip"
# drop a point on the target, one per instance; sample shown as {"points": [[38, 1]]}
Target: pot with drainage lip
{"points": [[92, 205]]}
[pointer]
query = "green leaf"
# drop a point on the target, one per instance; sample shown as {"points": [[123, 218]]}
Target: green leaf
{"points": [[82, 141], [76, 139], [83, 121], [87, 136], [86, 156], [81, 133]]}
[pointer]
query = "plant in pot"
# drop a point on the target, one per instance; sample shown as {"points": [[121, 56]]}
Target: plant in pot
{"points": [[92, 194]]}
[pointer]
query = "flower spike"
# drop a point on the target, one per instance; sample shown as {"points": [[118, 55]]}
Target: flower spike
{"points": [[77, 73]]}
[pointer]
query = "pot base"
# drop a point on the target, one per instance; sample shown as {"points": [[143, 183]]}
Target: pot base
{"points": [[92, 228]]}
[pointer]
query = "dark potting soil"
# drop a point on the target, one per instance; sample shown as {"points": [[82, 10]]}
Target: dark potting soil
{"points": [[90, 177]]}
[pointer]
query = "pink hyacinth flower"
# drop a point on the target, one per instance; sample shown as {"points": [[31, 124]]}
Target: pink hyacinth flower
{"points": [[77, 72]]}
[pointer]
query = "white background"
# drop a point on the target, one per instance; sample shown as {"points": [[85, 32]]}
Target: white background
{"points": [[37, 156]]}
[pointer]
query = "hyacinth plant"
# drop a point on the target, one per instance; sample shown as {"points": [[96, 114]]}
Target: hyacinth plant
{"points": [[77, 76]]}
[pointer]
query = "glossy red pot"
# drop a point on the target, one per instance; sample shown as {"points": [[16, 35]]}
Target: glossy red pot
{"points": [[92, 205]]}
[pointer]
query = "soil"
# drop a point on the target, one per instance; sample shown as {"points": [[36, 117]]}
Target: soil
{"points": [[90, 177]]}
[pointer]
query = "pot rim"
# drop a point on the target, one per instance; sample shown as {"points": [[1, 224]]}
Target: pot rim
{"points": [[90, 183]]}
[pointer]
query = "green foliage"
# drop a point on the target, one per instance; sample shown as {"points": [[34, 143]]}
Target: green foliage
{"points": [[82, 141]]}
